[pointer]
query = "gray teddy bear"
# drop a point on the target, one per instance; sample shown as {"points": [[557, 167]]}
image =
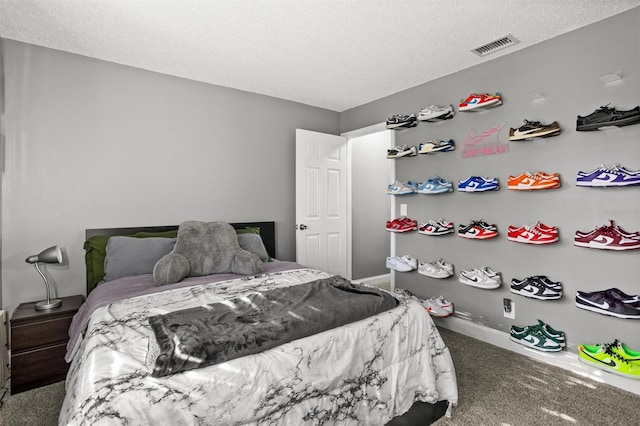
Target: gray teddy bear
{"points": [[205, 248]]}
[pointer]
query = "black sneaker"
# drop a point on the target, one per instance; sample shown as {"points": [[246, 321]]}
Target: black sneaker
{"points": [[604, 303], [544, 279], [535, 289], [533, 129], [605, 116], [627, 299], [401, 121], [402, 151]]}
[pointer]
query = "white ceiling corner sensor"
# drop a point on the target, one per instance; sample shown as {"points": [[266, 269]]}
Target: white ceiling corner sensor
{"points": [[611, 77], [534, 96]]}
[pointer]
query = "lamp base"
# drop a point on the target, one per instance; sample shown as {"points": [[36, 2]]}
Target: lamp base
{"points": [[48, 304]]}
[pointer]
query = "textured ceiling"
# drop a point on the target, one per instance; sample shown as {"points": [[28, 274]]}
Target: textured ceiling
{"points": [[334, 54]]}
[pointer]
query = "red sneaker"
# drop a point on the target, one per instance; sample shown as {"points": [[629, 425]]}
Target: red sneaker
{"points": [[606, 238], [402, 224], [475, 230], [527, 235], [483, 100]]}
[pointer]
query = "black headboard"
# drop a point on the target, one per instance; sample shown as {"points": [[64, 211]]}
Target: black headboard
{"points": [[267, 232]]}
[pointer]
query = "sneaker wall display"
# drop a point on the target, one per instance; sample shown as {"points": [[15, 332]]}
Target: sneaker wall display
{"points": [[537, 140]]}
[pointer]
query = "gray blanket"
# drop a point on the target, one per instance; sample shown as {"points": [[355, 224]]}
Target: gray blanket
{"points": [[215, 333]]}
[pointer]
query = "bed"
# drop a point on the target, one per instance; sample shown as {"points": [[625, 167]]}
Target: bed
{"points": [[369, 371]]}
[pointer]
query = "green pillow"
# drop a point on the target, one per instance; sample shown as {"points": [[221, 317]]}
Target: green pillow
{"points": [[248, 230], [96, 251]]}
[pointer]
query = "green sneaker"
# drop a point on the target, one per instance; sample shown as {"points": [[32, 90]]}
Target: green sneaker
{"points": [[534, 337], [555, 335], [605, 357], [625, 351]]}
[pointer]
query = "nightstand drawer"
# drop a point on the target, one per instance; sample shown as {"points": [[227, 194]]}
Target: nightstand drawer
{"points": [[40, 334], [39, 366]]}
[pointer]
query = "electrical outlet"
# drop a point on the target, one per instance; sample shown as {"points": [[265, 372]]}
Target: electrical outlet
{"points": [[509, 308], [403, 209]]}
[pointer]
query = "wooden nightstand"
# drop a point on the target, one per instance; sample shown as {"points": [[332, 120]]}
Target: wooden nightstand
{"points": [[38, 344]]}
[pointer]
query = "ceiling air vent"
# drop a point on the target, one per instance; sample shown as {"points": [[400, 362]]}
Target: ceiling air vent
{"points": [[494, 46]]}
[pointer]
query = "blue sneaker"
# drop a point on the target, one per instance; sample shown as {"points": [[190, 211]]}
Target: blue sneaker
{"points": [[435, 185], [478, 184], [433, 146]]}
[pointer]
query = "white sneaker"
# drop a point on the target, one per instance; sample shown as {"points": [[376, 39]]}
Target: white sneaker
{"points": [[435, 112], [400, 188], [398, 264], [444, 304], [411, 261], [446, 266], [434, 309], [433, 270], [491, 273], [478, 278]]}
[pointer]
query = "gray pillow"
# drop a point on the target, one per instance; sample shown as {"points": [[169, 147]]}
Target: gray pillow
{"points": [[128, 256], [254, 244]]}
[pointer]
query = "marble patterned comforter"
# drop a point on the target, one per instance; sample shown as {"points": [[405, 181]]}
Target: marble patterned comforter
{"points": [[364, 372]]}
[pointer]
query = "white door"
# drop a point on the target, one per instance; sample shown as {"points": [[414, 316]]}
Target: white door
{"points": [[321, 202]]}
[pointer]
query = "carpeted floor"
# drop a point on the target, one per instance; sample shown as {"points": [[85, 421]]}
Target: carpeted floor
{"points": [[499, 387], [496, 388]]}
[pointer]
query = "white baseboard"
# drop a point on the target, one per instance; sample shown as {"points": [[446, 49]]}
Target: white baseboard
{"points": [[374, 281], [565, 360]]}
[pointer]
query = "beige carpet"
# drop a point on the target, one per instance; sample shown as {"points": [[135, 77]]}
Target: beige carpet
{"points": [[499, 387], [496, 388]]}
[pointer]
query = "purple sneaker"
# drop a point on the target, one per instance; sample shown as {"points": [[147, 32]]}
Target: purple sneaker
{"points": [[605, 303], [608, 176]]}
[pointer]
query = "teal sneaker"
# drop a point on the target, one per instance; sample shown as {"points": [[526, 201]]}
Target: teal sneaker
{"points": [[534, 337]]}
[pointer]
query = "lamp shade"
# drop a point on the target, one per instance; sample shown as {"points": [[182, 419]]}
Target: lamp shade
{"points": [[50, 255]]}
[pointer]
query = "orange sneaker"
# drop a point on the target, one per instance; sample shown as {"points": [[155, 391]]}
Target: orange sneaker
{"points": [[528, 182]]}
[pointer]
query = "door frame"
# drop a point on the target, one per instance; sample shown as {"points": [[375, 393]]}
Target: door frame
{"points": [[350, 135]]}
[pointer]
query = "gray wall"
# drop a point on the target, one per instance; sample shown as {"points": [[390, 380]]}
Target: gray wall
{"points": [[95, 144], [370, 171], [566, 71]]}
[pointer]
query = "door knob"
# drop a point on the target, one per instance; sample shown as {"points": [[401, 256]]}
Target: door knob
{"points": [[302, 227]]}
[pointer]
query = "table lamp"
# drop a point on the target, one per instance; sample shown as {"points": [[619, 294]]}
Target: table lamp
{"points": [[50, 255]]}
